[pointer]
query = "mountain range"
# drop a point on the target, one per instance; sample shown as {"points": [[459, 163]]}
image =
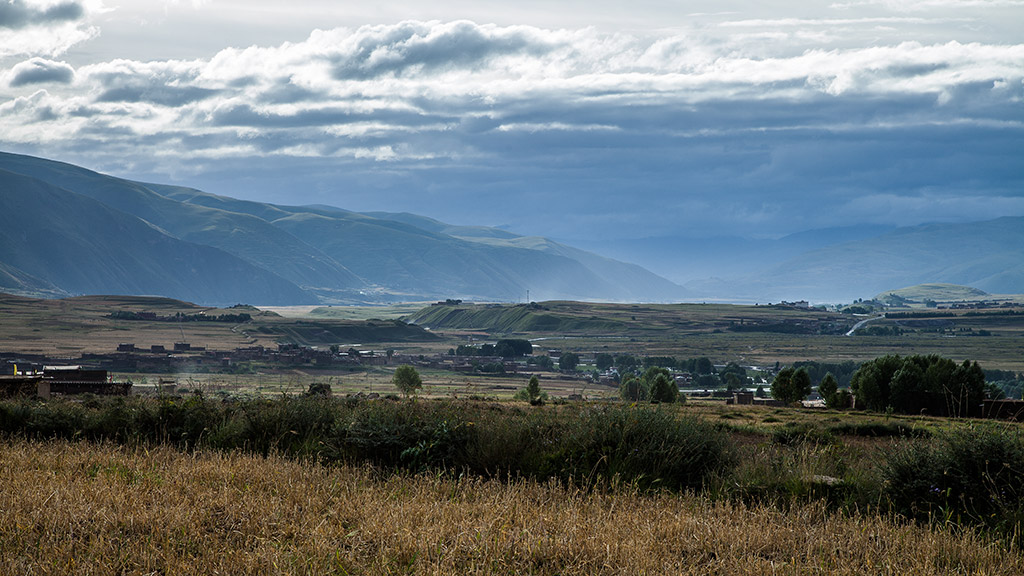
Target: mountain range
{"points": [[986, 255], [68, 231], [71, 231]]}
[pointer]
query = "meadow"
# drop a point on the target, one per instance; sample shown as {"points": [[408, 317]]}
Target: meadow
{"points": [[245, 473], [72, 507], [314, 485]]}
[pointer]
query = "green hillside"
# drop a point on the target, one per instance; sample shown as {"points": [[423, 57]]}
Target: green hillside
{"points": [[54, 242], [248, 237], [936, 293], [511, 319]]}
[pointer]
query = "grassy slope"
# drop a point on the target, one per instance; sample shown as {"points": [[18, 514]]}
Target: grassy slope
{"points": [[84, 246], [938, 293], [619, 319], [248, 237]]}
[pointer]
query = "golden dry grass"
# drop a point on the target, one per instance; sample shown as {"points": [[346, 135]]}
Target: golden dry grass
{"points": [[76, 508]]}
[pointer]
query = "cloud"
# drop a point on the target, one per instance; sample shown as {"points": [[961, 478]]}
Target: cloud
{"points": [[920, 5], [45, 28], [39, 71], [627, 133], [16, 14]]}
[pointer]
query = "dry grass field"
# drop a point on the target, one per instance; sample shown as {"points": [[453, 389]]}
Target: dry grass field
{"points": [[81, 508]]}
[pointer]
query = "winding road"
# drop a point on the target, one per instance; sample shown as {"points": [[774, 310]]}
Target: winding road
{"points": [[858, 325]]}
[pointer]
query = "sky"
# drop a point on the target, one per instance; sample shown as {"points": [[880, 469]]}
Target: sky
{"points": [[591, 122]]}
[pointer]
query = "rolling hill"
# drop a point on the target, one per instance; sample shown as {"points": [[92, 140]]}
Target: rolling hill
{"points": [[57, 243], [181, 240]]}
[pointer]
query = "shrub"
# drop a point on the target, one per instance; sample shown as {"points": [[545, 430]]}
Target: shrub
{"points": [[407, 379], [641, 446], [973, 476]]}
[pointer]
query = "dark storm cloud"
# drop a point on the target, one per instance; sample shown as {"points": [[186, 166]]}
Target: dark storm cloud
{"points": [[16, 14], [38, 71]]}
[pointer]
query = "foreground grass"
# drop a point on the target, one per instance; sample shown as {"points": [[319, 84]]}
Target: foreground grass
{"points": [[83, 508]]}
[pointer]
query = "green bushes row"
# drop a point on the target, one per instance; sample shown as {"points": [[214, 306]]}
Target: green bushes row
{"points": [[643, 446]]}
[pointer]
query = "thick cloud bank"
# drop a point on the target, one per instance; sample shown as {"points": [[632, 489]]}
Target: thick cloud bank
{"points": [[765, 125]]}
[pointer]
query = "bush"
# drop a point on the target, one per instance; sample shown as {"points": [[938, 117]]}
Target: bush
{"points": [[645, 447], [968, 477]]}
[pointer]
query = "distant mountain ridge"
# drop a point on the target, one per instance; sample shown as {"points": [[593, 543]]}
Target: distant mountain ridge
{"points": [[987, 256], [79, 232]]}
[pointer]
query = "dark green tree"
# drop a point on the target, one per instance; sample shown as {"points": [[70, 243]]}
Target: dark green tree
{"points": [[407, 380], [734, 376], [663, 389], [543, 362], [568, 361], [704, 366], [870, 383], [632, 388], [626, 364], [791, 385], [532, 393], [828, 389], [604, 361], [510, 348]]}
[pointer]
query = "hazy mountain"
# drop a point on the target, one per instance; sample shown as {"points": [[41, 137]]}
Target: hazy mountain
{"points": [[683, 258], [56, 243], [985, 255], [250, 238], [318, 253]]}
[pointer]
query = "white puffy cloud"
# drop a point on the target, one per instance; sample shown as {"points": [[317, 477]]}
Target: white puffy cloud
{"points": [[44, 27], [40, 71]]}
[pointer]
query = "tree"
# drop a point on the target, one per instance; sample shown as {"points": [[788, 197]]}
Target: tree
{"points": [[407, 379], [633, 389], [664, 389], [966, 388], [510, 348], [828, 388], [543, 362], [913, 383], [604, 361], [626, 364], [532, 393], [704, 366], [734, 376], [791, 385], [568, 361]]}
